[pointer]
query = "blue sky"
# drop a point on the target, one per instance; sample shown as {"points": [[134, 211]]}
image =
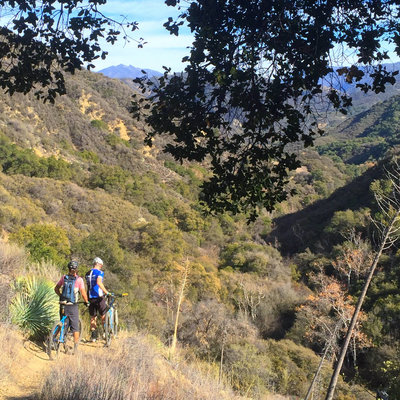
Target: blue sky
{"points": [[161, 48]]}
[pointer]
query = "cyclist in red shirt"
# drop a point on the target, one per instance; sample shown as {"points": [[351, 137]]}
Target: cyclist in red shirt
{"points": [[68, 288]]}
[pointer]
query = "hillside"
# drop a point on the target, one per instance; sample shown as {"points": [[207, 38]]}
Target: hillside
{"points": [[305, 228], [366, 136], [77, 182]]}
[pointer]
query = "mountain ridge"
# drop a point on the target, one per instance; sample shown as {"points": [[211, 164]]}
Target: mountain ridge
{"points": [[122, 71]]}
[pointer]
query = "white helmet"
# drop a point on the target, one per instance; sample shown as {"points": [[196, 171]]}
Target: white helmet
{"points": [[97, 260]]}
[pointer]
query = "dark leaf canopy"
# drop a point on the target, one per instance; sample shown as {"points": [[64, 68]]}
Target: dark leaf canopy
{"points": [[39, 40], [256, 73]]}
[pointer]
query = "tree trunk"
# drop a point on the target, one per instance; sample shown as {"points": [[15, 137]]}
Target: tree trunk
{"points": [[336, 372], [321, 363], [221, 362]]}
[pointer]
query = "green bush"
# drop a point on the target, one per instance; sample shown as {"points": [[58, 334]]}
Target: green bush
{"points": [[161, 242], [103, 245], [15, 160], [113, 179], [251, 257], [99, 124], [34, 307], [90, 156], [114, 140], [45, 242], [189, 220]]}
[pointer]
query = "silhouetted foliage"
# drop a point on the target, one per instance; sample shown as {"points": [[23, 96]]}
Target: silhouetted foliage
{"points": [[41, 41], [255, 73]]}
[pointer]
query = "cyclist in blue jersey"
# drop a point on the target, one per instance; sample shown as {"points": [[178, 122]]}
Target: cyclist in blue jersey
{"points": [[97, 293]]}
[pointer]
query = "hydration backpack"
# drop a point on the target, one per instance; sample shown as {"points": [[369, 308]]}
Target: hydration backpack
{"points": [[68, 292], [88, 279]]}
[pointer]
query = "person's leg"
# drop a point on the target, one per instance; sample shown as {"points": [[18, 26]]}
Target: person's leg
{"points": [[103, 311], [93, 323], [73, 315], [93, 318], [76, 341]]}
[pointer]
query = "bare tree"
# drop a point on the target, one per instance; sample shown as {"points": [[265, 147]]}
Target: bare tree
{"points": [[355, 257], [250, 299], [388, 227], [328, 313]]}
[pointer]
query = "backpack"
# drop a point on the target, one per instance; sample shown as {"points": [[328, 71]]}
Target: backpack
{"points": [[68, 292], [88, 279]]}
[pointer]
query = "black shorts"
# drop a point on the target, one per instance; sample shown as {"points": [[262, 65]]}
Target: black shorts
{"points": [[72, 312], [97, 305]]}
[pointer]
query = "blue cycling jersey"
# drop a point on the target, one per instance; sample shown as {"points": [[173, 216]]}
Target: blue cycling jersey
{"points": [[94, 290]]}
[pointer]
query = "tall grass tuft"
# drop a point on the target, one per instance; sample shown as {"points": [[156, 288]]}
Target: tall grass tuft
{"points": [[12, 259], [44, 269], [35, 306]]}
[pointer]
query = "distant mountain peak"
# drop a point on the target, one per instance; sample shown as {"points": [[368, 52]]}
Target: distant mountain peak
{"points": [[122, 71]]}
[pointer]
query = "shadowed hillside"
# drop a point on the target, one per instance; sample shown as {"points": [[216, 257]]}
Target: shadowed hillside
{"points": [[304, 229]]}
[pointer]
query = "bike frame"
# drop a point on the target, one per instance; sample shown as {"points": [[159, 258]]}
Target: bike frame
{"points": [[64, 327], [63, 324], [110, 312], [111, 324]]}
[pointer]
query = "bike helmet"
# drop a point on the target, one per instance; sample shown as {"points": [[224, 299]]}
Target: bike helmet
{"points": [[98, 260], [73, 265]]}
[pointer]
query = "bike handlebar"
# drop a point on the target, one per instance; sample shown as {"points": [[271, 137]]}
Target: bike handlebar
{"points": [[117, 294]]}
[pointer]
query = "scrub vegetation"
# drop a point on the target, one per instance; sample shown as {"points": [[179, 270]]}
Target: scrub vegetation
{"points": [[261, 300]]}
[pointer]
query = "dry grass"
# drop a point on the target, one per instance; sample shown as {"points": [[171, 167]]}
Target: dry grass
{"points": [[10, 345], [12, 259], [133, 371], [44, 269], [12, 262], [7, 293]]}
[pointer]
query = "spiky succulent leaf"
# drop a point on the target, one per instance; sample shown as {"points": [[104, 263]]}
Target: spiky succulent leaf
{"points": [[34, 307]]}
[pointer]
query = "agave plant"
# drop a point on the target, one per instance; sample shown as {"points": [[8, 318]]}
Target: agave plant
{"points": [[34, 307]]}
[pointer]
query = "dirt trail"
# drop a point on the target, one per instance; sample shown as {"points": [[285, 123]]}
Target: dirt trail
{"points": [[31, 366]]}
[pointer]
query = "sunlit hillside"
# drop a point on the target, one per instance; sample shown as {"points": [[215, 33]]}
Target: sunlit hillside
{"points": [[77, 182]]}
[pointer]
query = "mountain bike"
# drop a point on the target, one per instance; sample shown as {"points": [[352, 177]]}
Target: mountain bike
{"points": [[60, 334], [111, 322]]}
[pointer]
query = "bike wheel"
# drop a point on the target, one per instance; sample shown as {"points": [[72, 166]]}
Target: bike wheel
{"points": [[107, 329], [67, 336], [53, 341], [115, 323]]}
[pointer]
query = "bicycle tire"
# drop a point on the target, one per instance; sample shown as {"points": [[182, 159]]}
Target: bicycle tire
{"points": [[67, 336], [53, 341], [115, 323], [107, 329]]}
